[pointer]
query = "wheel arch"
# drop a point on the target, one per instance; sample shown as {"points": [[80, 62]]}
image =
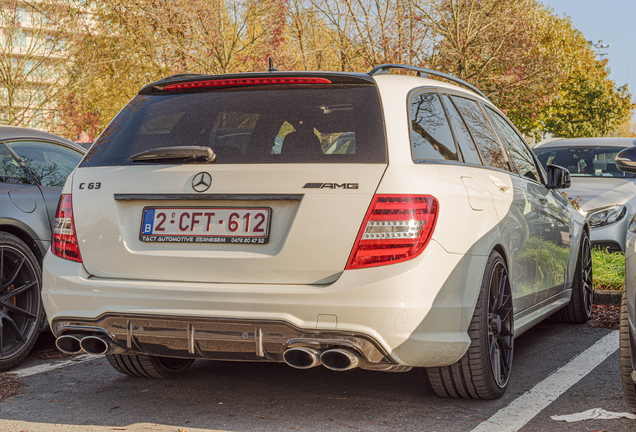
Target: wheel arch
{"points": [[24, 233], [502, 251]]}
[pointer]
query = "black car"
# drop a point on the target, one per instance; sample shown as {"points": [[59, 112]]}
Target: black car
{"points": [[34, 166]]}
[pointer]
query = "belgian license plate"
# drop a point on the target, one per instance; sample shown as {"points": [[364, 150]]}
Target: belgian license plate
{"points": [[206, 224]]}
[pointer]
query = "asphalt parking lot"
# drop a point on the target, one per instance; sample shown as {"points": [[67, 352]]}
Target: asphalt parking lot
{"points": [[86, 394]]}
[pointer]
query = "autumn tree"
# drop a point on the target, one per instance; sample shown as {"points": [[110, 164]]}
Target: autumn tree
{"points": [[527, 60], [588, 103], [513, 50], [33, 47], [356, 35], [628, 127], [128, 44]]}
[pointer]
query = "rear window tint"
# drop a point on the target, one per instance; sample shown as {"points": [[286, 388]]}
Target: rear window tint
{"points": [[431, 137], [340, 124], [519, 152], [50, 164], [491, 152], [465, 142], [10, 170]]}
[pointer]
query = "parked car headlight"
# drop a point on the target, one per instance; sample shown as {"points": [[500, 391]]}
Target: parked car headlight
{"points": [[632, 225], [606, 215]]}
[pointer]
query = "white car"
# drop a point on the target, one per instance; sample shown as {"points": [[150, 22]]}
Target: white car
{"points": [[209, 222]]}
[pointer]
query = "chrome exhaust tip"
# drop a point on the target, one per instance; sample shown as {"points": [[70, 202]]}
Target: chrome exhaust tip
{"points": [[94, 345], [69, 344], [339, 359], [302, 357]]}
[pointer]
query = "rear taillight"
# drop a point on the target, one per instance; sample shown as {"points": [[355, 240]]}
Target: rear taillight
{"points": [[64, 243], [244, 82], [395, 229]]}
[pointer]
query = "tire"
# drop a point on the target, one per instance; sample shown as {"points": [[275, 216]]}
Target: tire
{"points": [[145, 366], [21, 311], [579, 310], [629, 387], [483, 372]]}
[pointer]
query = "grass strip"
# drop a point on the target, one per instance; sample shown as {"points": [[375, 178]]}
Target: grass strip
{"points": [[609, 269]]}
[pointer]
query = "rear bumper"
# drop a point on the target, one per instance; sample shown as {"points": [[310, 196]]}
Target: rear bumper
{"points": [[414, 313], [219, 339]]}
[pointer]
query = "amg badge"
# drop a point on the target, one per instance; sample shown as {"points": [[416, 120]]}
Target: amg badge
{"points": [[331, 186]]}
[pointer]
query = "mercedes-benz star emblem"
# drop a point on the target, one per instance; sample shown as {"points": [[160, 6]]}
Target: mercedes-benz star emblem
{"points": [[201, 182]]}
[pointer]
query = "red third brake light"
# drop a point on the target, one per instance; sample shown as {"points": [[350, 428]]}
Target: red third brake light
{"points": [[395, 229], [244, 82], [64, 243]]}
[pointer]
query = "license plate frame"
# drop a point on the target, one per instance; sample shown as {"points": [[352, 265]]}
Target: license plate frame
{"points": [[174, 216]]}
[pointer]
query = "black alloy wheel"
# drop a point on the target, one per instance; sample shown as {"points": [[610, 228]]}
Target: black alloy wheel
{"points": [[500, 329], [21, 313], [484, 370], [586, 276], [579, 309]]}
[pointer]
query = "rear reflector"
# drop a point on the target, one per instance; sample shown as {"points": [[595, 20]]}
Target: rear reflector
{"points": [[64, 243], [244, 82], [395, 229]]}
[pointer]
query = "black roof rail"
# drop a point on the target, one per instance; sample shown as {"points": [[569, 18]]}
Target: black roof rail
{"points": [[385, 68]]}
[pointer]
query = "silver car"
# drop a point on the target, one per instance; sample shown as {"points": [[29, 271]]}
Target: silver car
{"points": [[626, 161], [606, 195], [34, 166]]}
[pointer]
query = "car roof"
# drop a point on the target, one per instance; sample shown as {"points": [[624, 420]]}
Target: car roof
{"points": [[16, 132], [588, 142], [335, 76]]}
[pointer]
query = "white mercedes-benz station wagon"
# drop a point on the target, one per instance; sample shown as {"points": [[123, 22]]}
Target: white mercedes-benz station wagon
{"points": [[370, 220]]}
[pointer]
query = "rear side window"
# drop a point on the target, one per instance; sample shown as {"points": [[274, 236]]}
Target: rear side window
{"points": [[431, 137], [49, 164], [519, 152], [10, 170], [491, 152], [464, 140], [338, 124]]}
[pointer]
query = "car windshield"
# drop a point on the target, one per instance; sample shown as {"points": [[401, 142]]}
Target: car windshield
{"points": [[584, 161]]}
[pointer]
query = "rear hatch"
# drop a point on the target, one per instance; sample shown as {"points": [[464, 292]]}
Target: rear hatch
{"points": [[297, 164]]}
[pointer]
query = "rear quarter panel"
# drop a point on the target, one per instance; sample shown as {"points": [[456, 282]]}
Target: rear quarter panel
{"points": [[35, 224]]}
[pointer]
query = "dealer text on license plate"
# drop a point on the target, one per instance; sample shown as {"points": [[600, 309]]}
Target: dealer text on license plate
{"points": [[206, 224]]}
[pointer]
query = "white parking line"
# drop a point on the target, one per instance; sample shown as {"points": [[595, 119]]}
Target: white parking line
{"points": [[528, 405], [33, 370]]}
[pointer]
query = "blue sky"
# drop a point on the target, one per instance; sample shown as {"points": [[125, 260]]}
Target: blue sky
{"points": [[613, 22]]}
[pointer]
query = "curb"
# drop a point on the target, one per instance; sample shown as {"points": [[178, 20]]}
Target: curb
{"points": [[607, 297]]}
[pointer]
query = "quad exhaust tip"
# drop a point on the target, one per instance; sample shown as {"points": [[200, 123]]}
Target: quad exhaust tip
{"points": [[76, 344], [69, 344], [302, 357], [339, 359], [94, 345]]}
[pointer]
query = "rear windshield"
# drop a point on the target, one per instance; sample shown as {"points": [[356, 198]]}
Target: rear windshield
{"points": [[584, 161], [339, 124]]}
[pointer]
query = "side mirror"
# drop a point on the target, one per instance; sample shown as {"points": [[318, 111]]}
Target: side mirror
{"points": [[558, 177], [626, 160]]}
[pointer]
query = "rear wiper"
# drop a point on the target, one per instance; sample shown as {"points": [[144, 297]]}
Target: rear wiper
{"points": [[182, 154]]}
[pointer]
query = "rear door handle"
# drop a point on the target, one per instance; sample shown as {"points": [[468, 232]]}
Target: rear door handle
{"points": [[543, 200]]}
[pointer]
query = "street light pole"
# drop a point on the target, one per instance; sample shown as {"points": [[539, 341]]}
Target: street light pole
{"points": [[600, 48]]}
